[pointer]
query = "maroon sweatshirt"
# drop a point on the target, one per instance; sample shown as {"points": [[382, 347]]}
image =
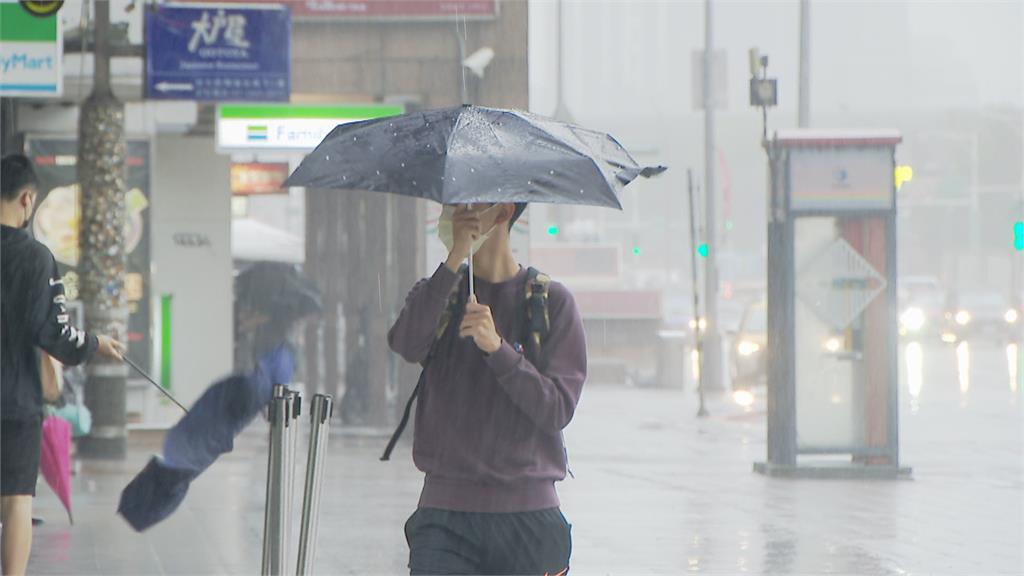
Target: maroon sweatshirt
{"points": [[489, 427]]}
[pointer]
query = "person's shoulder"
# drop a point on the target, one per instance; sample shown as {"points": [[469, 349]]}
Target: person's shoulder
{"points": [[27, 251], [41, 254]]}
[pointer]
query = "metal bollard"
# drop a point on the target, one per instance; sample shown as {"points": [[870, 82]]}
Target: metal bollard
{"points": [[320, 421], [275, 521], [295, 410]]}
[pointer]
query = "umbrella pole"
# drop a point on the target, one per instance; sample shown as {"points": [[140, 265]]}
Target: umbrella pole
{"points": [[472, 288], [153, 382]]}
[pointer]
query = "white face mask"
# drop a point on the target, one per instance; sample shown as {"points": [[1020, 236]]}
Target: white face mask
{"points": [[447, 235]]}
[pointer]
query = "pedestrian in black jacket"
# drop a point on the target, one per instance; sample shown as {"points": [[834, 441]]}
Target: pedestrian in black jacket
{"points": [[33, 317]]}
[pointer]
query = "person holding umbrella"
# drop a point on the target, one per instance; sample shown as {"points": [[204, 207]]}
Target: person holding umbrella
{"points": [[489, 421], [502, 348], [33, 317]]}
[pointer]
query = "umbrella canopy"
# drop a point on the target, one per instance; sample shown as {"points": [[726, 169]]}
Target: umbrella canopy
{"points": [[270, 298], [252, 240], [55, 459], [154, 494], [471, 154], [277, 290]]}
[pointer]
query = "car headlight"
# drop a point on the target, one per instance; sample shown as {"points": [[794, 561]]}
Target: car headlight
{"points": [[1011, 316], [748, 348], [949, 338], [744, 398], [913, 319], [963, 317]]}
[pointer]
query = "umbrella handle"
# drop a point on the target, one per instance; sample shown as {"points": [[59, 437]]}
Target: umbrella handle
{"points": [[472, 288]]}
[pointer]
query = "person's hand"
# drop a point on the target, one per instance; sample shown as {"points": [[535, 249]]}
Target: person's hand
{"points": [[478, 324], [466, 229], [110, 348]]}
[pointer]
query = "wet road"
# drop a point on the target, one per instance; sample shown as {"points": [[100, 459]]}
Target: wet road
{"points": [[656, 492]]}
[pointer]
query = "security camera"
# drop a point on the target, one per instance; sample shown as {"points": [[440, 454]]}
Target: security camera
{"points": [[755, 62], [478, 61]]}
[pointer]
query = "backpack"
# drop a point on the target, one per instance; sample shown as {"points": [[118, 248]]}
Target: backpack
{"points": [[535, 331]]}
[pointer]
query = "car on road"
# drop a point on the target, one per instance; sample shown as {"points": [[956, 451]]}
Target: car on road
{"points": [[748, 350], [922, 306], [982, 315]]}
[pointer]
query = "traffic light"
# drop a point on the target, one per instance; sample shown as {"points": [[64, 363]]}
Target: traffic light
{"points": [[637, 251], [703, 249], [1018, 235], [903, 174], [553, 230]]}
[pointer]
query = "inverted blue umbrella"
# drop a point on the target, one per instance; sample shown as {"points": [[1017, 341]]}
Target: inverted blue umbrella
{"points": [[206, 432], [278, 293]]}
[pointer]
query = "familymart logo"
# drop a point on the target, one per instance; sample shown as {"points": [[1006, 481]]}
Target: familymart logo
{"points": [[256, 133]]}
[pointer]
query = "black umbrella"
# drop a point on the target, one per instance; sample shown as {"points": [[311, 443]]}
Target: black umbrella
{"points": [[277, 290], [471, 154], [270, 297]]}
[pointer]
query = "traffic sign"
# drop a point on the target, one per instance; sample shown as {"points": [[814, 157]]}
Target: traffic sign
{"points": [[838, 284], [218, 52]]}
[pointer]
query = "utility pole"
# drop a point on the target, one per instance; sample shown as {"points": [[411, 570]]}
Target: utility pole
{"points": [[557, 213], [804, 114], [697, 336], [101, 173], [711, 364]]}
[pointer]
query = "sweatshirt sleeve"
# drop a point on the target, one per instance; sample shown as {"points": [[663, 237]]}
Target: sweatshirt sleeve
{"points": [[548, 395], [414, 331], [51, 321]]}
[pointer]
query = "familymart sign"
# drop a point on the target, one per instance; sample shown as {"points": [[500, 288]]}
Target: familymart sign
{"points": [[31, 50], [287, 127]]}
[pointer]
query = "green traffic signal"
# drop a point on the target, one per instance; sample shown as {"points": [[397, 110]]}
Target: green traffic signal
{"points": [[1018, 235], [552, 230], [636, 251], [703, 250]]}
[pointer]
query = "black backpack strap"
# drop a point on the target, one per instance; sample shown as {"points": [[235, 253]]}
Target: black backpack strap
{"points": [[538, 322], [397, 434], [456, 303]]}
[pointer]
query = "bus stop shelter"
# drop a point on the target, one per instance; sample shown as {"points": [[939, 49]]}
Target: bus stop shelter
{"points": [[832, 310]]}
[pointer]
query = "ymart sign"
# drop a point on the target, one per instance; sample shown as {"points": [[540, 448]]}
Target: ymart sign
{"points": [[287, 127], [31, 51]]}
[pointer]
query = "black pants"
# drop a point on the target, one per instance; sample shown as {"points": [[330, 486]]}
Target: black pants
{"points": [[523, 543]]}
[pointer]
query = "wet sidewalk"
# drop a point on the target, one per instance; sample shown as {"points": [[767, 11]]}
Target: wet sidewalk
{"points": [[657, 491]]}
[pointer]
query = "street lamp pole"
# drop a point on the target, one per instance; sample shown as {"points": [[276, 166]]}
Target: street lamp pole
{"points": [[804, 114], [711, 364]]}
